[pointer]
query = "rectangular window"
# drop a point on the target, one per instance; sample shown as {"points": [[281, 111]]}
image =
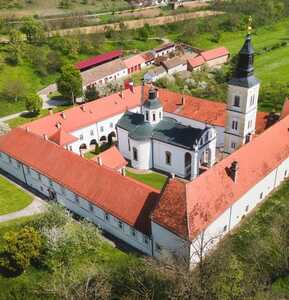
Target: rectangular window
{"points": [[133, 232], [120, 225], [135, 156], [237, 101], [39, 176], [158, 247], [233, 145], [106, 216], [147, 115], [285, 173], [18, 165], [10, 160], [168, 158], [154, 116], [76, 198], [128, 141], [145, 239], [28, 171], [70, 148], [252, 100], [50, 183]]}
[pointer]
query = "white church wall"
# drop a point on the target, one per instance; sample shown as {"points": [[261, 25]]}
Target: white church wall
{"points": [[123, 142], [144, 154], [177, 165], [166, 242]]}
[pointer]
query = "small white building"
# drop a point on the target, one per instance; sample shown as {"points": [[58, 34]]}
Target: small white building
{"points": [[151, 141], [175, 65]]}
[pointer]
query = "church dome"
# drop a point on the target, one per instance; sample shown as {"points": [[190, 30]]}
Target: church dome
{"points": [[153, 102], [142, 132]]}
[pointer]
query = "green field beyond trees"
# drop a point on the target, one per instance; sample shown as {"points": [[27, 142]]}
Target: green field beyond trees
{"points": [[12, 198]]}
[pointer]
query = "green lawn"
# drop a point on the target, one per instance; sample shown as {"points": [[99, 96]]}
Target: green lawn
{"points": [[271, 66], [89, 154], [152, 179], [26, 117], [12, 198]]}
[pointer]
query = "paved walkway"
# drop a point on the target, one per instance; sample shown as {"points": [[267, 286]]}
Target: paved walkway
{"points": [[36, 207]]}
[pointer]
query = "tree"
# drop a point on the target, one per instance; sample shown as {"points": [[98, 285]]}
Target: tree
{"points": [[33, 103], [14, 87], [69, 84], [33, 29], [20, 248], [91, 93], [14, 47]]}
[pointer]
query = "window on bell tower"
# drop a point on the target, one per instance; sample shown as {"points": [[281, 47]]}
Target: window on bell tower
{"points": [[235, 125], [237, 101]]}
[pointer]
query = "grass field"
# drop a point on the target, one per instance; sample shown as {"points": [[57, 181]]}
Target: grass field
{"points": [[271, 66], [152, 179], [12, 198], [26, 117]]}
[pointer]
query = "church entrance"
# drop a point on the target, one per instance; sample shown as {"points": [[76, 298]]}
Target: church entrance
{"points": [[188, 165]]}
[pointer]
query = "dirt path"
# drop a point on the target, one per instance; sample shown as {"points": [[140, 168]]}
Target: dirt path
{"points": [[132, 24]]}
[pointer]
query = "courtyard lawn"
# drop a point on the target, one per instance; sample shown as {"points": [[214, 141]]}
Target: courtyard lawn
{"points": [[89, 154], [153, 179], [12, 198]]}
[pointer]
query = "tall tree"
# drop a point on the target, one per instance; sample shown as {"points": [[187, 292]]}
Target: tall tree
{"points": [[69, 84], [33, 103], [33, 29]]}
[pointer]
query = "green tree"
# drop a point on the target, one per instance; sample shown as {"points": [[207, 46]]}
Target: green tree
{"points": [[33, 29], [229, 282], [69, 84], [91, 93], [33, 103], [14, 47], [20, 249], [14, 87]]}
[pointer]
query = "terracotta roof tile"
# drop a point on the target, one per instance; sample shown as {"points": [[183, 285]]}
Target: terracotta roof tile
{"points": [[112, 159], [206, 111], [171, 210], [196, 61], [99, 185], [62, 138], [134, 61], [210, 194], [215, 53]]}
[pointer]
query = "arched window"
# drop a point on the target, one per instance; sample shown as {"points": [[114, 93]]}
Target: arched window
{"points": [[168, 158], [135, 154], [154, 116], [147, 115]]}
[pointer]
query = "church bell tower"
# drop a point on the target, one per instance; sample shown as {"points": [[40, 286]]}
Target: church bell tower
{"points": [[242, 103]]}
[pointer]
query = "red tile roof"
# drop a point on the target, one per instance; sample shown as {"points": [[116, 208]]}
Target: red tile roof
{"points": [[171, 209], [99, 59], [210, 194], [196, 61], [112, 159], [103, 187], [215, 53], [206, 111], [60, 137], [133, 61]]}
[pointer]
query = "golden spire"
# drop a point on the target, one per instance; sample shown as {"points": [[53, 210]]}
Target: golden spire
{"points": [[250, 25]]}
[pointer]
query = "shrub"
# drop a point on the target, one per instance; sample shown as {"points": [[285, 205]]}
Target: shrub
{"points": [[20, 249]]}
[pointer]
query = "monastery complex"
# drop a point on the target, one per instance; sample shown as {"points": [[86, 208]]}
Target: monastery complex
{"points": [[222, 160]]}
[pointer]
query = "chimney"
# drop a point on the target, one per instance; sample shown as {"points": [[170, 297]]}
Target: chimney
{"points": [[58, 125], [99, 160], [83, 108], [234, 170], [183, 101], [63, 115], [131, 86], [27, 129], [50, 110], [121, 94], [123, 171], [45, 137]]}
